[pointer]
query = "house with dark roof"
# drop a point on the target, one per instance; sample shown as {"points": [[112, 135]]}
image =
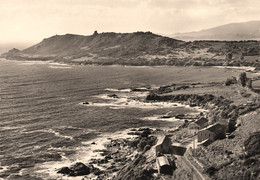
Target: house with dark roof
{"points": [[195, 126], [213, 132], [163, 145]]}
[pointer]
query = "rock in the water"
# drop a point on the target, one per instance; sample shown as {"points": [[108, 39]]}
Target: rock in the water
{"points": [[64, 170], [112, 96], [145, 133], [96, 171], [79, 169]]}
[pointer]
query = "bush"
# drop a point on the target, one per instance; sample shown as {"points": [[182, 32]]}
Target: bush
{"points": [[211, 171], [230, 81], [242, 79]]}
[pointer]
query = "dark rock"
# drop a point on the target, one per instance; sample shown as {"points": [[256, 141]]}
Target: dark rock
{"points": [[166, 116], [64, 170], [107, 157], [134, 133], [102, 161], [93, 143], [146, 132], [79, 169], [85, 102], [96, 171], [139, 89], [252, 144], [179, 116], [112, 96]]}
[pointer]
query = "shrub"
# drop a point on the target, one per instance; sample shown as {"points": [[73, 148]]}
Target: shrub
{"points": [[242, 79], [230, 81]]}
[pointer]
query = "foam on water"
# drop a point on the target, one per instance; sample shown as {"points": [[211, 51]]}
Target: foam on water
{"points": [[118, 90], [83, 154], [60, 67], [57, 134], [159, 118]]}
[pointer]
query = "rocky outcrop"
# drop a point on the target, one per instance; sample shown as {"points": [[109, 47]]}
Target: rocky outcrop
{"points": [[223, 108], [135, 170], [77, 169], [252, 144]]}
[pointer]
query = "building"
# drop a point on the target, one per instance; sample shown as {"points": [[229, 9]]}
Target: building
{"points": [[213, 132], [164, 166], [195, 126], [163, 145]]}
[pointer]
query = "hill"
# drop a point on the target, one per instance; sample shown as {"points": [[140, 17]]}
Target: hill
{"points": [[234, 31], [139, 48], [97, 47]]}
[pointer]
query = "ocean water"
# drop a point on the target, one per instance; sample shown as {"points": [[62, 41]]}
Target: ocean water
{"points": [[43, 124]]}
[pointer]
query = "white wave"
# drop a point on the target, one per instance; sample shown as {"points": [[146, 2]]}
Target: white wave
{"points": [[9, 128], [128, 103], [48, 170], [237, 67], [60, 67], [159, 118], [3, 168], [33, 62], [49, 131], [118, 90], [58, 134]]}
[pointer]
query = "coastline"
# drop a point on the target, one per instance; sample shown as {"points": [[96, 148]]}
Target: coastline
{"points": [[72, 63]]}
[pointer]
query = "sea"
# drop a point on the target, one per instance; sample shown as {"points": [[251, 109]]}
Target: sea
{"points": [[44, 124]]}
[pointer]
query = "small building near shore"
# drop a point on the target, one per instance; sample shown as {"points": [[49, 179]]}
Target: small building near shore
{"points": [[195, 126], [163, 145], [213, 132], [164, 166]]}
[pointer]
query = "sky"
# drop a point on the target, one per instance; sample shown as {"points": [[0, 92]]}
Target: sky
{"points": [[32, 20]]}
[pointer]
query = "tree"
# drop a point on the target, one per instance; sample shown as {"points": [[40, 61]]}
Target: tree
{"points": [[242, 79]]}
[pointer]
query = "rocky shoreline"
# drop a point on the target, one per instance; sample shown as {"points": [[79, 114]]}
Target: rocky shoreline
{"points": [[117, 153], [133, 157]]}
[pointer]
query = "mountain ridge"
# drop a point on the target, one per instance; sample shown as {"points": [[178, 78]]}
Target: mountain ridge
{"points": [[233, 31]]}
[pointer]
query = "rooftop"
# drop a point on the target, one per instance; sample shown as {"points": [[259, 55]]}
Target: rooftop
{"points": [[162, 160], [161, 139], [214, 128], [201, 121]]}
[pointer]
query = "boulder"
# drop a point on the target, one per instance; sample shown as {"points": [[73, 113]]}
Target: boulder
{"points": [[79, 169], [64, 170]]}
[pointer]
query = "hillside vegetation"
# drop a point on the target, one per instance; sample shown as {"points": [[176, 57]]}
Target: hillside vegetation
{"points": [[140, 48]]}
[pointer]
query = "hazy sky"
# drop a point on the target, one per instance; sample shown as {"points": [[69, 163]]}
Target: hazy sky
{"points": [[33, 20]]}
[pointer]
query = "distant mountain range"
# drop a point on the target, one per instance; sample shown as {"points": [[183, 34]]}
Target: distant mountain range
{"points": [[234, 31]]}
